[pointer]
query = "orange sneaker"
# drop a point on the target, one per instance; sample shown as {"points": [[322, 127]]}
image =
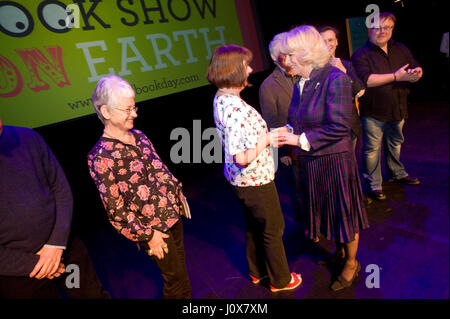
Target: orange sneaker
{"points": [[295, 282]]}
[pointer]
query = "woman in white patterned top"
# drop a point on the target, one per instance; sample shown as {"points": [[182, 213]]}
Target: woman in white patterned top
{"points": [[240, 126], [249, 167]]}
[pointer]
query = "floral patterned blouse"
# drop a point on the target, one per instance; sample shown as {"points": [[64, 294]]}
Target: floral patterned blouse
{"points": [[137, 189], [239, 126]]}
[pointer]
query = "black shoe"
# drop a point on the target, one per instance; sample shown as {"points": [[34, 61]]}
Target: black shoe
{"points": [[377, 194], [408, 180], [341, 283]]}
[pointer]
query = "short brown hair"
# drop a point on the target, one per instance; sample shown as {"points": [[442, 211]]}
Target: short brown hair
{"points": [[227, 69], [329, 28], [387, 15]]}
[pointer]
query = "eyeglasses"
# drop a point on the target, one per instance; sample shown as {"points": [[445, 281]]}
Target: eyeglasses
{"points": [[385, 28], [129, 110]]}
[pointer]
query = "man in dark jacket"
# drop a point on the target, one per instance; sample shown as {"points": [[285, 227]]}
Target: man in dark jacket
{"points": [[330, 35], [386, 67], [275, 92], [275, 96], [36, 214]]}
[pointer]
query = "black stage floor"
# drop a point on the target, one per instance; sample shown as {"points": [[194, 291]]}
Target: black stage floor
{"points": [[408, 238]]}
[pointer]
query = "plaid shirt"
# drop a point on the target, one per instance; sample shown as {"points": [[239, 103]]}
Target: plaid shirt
{"points": [[323, 112]]}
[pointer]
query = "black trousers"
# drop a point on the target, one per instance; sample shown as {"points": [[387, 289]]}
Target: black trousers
{"points": [[264, 232], [173, 265], [288, 183], [32, 288]]}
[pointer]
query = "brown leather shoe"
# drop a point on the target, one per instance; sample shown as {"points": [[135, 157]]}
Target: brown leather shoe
{"points": [[377, 194], [408, 180]]}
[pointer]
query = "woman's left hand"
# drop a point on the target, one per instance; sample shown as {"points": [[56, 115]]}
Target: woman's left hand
{"points": [[274, 138], [288, 138], [157, 244]]}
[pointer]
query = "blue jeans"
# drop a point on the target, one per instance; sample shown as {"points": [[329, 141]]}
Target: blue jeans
{"points": [[374, 134]]}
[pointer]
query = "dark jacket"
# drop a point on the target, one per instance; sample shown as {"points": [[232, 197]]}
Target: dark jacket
{"points": [[357, 86], [324, 112], [275, 96], [386, 102]]}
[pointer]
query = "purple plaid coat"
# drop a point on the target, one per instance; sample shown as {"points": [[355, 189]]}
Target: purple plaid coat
{"points": [[323, 112]]}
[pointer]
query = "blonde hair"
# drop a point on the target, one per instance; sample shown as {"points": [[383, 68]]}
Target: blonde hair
{"points": [[106, 92], [307, 43]]}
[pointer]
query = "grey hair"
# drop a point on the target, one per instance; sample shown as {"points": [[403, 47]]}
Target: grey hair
{"points": [[308, 44], [275, 44], [108, 89]]}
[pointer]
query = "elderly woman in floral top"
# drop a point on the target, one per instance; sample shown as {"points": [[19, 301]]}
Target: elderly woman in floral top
{"points": [[249, 167], [142, 198]]}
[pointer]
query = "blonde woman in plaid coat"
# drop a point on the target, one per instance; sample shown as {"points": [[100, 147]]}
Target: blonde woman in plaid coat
{"points": [[321, 114]]}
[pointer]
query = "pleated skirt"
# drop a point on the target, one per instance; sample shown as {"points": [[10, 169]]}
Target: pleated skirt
{"points": [[331, 196]]}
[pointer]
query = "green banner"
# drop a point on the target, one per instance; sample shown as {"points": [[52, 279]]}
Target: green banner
{"points": [[356, 33], [54, 52]]}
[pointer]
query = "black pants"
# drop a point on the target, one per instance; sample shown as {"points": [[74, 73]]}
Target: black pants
{"points": [[288, 183], [173, 265], [264, 232], [32, 288]]}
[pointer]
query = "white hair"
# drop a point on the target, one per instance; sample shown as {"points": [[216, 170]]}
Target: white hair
{"points": [[275, 45], [108, 89], [307, 43]]}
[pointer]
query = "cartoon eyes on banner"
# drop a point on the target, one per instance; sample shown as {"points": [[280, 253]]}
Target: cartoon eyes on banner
{"points": [[54, 16], [16, 21]]}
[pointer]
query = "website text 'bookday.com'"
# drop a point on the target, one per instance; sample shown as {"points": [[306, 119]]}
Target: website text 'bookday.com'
{"points": [[147, 88]]}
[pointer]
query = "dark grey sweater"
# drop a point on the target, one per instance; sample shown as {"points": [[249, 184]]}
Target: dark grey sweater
{"points": [[35, 200]]}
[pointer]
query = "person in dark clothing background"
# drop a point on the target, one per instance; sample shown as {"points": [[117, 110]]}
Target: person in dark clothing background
{"points": [[386, 67], [36, 214], [275, 96], [330, 35]]}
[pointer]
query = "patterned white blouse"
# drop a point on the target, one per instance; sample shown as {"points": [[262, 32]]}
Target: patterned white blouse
{"points": [[239, 126]]}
